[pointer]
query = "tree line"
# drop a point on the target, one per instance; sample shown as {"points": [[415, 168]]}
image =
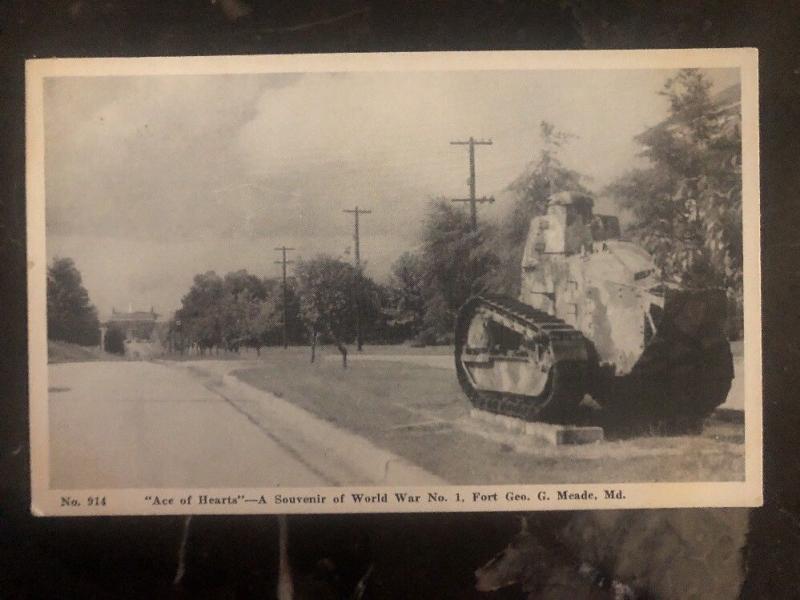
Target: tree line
{"points": [[684, 207], [242, 310]]}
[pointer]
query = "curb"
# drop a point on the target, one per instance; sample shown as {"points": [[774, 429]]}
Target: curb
{"points": [[375, 465]]}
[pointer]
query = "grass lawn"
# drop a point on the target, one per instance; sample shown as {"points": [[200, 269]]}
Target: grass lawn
{"points": [[409, 349], [421, 414]]}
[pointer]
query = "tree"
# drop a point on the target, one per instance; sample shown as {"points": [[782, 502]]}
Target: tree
{"points": [[201, 313], [241, 300], [239, 309], [294, 323], [406, 294], [265, 323], [327, 306], [70, 315], [687, 204], [372, 300], [114, 341], [456, 262], [544, 176]]}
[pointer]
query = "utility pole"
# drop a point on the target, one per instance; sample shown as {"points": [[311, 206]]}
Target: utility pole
{"points": [[355, 212], [357, 287], [283, 262], [473, 201]]}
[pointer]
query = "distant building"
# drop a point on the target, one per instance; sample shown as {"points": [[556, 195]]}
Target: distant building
{"points": [[137, 325]]}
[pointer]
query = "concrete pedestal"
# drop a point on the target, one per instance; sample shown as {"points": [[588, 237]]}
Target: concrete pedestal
{"points": [[557, 435]]}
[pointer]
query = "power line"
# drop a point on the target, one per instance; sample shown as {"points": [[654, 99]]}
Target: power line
{"points": [[283, 262], [357, 284], [473, 201]]}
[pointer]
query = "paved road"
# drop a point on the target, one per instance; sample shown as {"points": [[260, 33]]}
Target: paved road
{"points": [[138, 424]]}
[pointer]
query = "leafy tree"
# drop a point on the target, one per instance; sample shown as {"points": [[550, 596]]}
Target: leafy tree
{"points": [[70, 315], [372, 299], [687, 204], [456, 262], [406, 294], [242, 296], [114, 341], [295, 328], [236, 310], [238, 282], [327, 304], [201, 313], [236, 314], [544, 176], [265, 324], [265, 320]]}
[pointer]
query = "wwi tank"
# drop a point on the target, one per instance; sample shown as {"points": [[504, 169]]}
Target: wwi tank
{"points": [[593, 317]]}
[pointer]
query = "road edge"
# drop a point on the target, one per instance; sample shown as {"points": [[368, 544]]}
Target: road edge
{"points": [[378, 465]]}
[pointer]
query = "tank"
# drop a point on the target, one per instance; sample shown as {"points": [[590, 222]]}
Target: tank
{"points": [[594, 325]]}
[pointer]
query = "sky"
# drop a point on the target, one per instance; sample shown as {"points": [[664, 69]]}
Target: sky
{"points": [[150, 180]]}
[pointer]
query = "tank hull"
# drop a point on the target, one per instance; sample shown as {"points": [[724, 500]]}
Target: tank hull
{"points": [[533, 366], [594, 317]]}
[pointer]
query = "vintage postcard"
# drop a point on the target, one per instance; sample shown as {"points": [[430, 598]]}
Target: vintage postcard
{"points": [[394, 282]]}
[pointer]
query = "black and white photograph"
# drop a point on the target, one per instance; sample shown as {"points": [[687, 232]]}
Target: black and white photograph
{"points": [[394, 282]]}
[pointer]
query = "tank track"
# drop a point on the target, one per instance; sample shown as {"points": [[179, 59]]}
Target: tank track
{"points": [[566, 383]]}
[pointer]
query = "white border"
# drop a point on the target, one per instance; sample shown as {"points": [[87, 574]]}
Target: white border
{"points": [[47, 501]]}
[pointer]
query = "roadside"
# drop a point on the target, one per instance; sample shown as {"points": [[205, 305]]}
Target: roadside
{"points": [[418, 412], [133, 424], [406, 401], [64, 352]]}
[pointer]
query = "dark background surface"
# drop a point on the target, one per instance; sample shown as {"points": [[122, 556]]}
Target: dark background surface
{"points": [[426, 556]]}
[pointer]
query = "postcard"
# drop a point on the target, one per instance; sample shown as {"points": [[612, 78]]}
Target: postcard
{"points": [[404, 282]]}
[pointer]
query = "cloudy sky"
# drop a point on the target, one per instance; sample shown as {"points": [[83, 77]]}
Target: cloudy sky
{"points": [[150, 180]]}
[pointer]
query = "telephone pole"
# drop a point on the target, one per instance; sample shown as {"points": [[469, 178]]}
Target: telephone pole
{"points": [[283, 262], [473, 201], [355, 212], [357, 287]]}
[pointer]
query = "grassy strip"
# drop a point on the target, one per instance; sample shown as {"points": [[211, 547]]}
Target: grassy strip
{"points": [[421, 414], [63, 352]]}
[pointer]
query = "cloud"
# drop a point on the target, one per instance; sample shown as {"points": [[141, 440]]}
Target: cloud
{"points": [[150, 180], [132, 156]]}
